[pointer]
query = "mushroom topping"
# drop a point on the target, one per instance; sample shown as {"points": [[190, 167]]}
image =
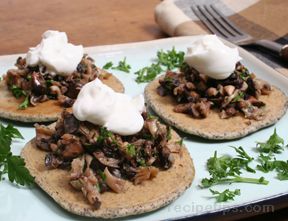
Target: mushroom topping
{"points": [[37, 81], [38, 84], [52, 161], [77, 167], [72, 147], [115, 183], [106, 161], [43, 136], [152, 127], [212, 92], [91, 192], [101, 161], [196, 93], [145, 173], [229, 89]]}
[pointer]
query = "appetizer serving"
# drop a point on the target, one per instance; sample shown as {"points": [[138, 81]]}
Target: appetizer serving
{"points": [[214, 95], [48, 79], [109, 158]]}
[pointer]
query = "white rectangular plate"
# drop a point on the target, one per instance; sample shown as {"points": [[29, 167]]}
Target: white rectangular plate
{"points": [[19, 203]]}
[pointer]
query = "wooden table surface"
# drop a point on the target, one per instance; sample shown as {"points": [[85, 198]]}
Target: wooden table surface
{"points": [[87, 22]]}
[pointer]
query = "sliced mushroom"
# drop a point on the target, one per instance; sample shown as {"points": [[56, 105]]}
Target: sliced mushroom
{"points": [[229, 89], [77, 167], [52, 161], [43, 136], [212, 91], [91, 192], [106, 161], [145, 173], [152, 127], [115, 183], [72, 146]]}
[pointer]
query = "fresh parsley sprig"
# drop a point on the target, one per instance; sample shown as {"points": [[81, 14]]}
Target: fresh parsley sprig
{"points": [[273, 145], [18, 92], [148, 73], [267, 160], [226, 169], [166, 60], [225, 195], [170, 59], [122, 66], [10, 164]]}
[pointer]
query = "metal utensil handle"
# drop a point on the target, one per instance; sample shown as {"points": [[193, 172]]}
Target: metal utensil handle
{"points": [[278, 49]]}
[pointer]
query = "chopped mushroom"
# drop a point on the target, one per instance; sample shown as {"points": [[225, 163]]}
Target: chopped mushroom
{"points": [[72, 146], [196, 93], [43, 136], [106, 161], [145, 173], [39, 83], [115, 183], [101, 161]]}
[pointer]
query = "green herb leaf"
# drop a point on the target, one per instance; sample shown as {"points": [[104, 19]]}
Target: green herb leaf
{"points": [[238, 97], [122, 66], [266, 163], [17, 172], [171, 59], [225, 195], [108, 65], [168, 60], [131, 150], [282, 169], [148, 73], [24, 104], [17, 91], [273, 145], [13, 165], [102, 175], [226, 169]]}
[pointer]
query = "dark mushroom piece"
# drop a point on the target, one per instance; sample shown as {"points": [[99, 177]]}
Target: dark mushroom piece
{"points": [[115, 183], [106, 161]]}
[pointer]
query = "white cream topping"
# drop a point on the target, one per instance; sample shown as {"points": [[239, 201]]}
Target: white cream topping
{"points": [[100, 105], [54, 52], [211, 57]]}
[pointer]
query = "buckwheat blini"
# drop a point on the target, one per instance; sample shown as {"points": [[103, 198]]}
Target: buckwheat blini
{"points": [[48, 79], [214, 96]]}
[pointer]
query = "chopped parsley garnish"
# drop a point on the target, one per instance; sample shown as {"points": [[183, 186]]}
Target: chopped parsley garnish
{"points": [[108, 65], [238, 97], [225, 195], [226, 169], [282, 169], [266, 163], [17, 91], [123, 66], [24, 104], [273, 145], [10, 164], [267, 160], [148, 73], [131, 150], [168, 60], [169, 133], [101, 174]]}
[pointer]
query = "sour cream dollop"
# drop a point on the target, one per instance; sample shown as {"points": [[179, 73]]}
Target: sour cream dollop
{"points": [[101, 105], [55, 53], [211, 57]]}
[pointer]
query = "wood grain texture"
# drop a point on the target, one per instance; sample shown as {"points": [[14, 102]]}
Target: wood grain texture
{"points": [[91, 22], [88, 22]]}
